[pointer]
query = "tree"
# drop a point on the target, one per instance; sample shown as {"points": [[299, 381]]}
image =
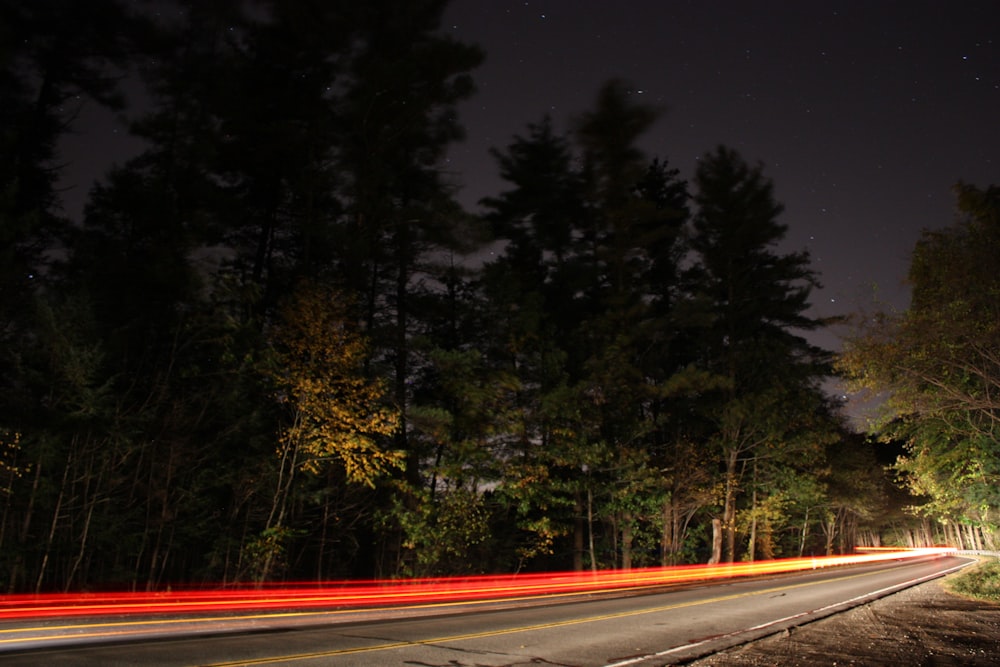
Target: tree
{"points": [[399, 117], [612, 262], [465, 422], [665, 343], [770, 403], [334, 414], [55, 58], [586, 289], [937, 365], [855, 493], [55, 55], [537, 215]]}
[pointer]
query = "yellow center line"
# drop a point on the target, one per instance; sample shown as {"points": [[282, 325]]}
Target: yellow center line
{"points": [[525, 628], [46, 630], [470, 635]]}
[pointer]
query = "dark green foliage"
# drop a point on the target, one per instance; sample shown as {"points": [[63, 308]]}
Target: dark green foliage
{"points": [[981, 581], [55, 57], [565, 404], [769, 402], [937, 362]]}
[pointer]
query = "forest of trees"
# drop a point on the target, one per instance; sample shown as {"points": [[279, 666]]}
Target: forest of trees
{"points": [[274, 348], [938, 364]]}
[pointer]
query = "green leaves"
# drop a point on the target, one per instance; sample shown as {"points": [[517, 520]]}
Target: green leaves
{"points": [[937, 364]]}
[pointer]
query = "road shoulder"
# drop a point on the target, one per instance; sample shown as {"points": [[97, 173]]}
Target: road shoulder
{"points": [[922, 625]]}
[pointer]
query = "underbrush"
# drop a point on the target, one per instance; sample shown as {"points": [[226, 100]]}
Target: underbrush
{"points": [[980, 581]]}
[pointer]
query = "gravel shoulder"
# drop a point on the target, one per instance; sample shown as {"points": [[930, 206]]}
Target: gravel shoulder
{"points": [[922, 625]]}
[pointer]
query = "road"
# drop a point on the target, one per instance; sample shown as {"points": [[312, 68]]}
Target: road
{"points": [[655, 628]]}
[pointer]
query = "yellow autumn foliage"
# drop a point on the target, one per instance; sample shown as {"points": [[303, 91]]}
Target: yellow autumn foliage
{"points": [[336, 413]]}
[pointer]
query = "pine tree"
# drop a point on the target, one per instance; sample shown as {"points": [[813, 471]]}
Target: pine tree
{"points": [[758, 298]]}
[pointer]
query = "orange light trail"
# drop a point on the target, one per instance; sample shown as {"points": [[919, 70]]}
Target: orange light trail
{"points": [[360, 594]]}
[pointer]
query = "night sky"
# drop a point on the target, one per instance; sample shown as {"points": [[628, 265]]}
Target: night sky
{"points": [[864, 113]]}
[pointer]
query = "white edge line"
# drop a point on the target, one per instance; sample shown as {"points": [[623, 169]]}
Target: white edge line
{"points": [[873, 595]]}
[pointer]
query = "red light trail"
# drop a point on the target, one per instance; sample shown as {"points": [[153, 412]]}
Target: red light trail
{"points": [[380, 593]]}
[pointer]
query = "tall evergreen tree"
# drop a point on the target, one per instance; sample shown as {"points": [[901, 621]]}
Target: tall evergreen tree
{"points": [[589, 252], [55, 58], [399, 117], [532, 310], [771, 400], [668, 338], [619, 227]]}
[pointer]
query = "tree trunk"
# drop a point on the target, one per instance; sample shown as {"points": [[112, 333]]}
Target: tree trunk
{"points": [[52, 527], [279, 502], [989, 539], [578, 534], [590, 529], [627, 538], [321, 555], [91, 503], [716, 542], [753, 516], [973, 537], [401, 362], [670, 542], [830, 532], [953, 535], [18, 565], [805, 531], [729, 510]]}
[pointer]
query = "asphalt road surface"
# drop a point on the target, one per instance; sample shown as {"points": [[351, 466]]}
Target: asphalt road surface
{"points": [[656, 628]]}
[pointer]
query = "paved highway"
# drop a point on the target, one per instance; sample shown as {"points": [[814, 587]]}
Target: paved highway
{"points": [[653, 628]]}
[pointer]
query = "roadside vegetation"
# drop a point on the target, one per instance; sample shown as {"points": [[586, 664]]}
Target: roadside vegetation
{"points": [[275, 346], [981, 581]]}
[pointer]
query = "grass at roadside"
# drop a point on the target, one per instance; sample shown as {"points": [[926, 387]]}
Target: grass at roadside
{"points": [[980, 581]]}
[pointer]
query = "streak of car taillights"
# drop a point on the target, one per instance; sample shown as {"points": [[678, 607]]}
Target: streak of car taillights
{"points": [[394, 592]]}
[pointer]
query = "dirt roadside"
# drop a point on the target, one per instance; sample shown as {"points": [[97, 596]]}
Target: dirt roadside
{"points": [[923, 625]]}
